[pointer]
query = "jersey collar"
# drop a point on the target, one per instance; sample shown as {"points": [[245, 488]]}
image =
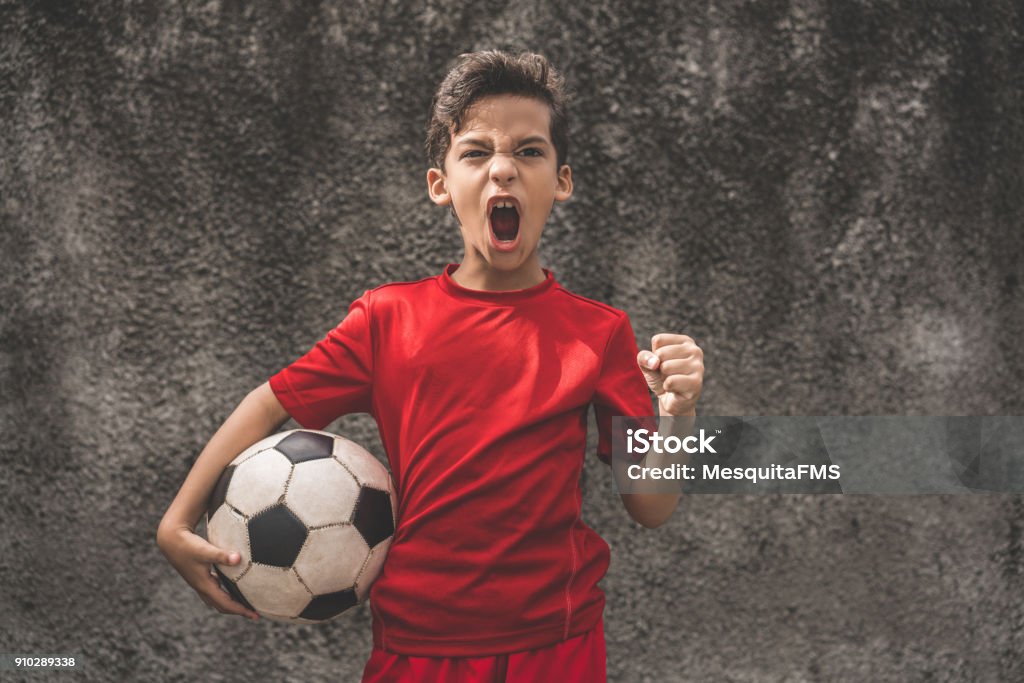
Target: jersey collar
{"points": [[511, 296]]}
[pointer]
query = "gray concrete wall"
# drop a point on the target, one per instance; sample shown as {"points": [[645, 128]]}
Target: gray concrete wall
{"points": [[827, 196]]}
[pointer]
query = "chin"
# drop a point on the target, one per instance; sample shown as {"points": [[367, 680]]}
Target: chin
{"points": [[510, 259]]}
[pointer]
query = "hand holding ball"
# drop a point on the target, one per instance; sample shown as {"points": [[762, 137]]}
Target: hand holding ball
{"points": [[312, 515]]}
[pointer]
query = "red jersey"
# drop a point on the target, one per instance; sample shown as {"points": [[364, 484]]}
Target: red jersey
{"points": [[481, 400]]}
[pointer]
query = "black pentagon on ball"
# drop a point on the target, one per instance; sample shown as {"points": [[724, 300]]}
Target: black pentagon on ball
{"points": [[231, 588], [276, 536], [220, 491], [303, 446], [373, 515], [329, 605]]}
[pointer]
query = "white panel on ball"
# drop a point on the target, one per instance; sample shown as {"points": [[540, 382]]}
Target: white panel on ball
{"points": [[323, 568], [261, 445], [322, 492], [369, 471], [259, 482], [279, 590], [371, 569]]}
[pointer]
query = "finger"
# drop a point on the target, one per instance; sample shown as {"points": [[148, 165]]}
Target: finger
{"points": [[687, 386], [651, 375], [676, 351], [207, 552], [685, 366], [666, 339], [648, 360], [223, 602]]}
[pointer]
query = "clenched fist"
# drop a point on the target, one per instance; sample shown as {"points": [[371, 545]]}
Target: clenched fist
{"points": [[674, 369]]}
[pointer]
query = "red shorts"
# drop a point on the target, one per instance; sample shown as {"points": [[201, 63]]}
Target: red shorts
{"points": [[577, 660]]}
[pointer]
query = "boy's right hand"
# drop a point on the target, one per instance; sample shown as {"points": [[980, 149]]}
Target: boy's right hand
{"points": [[192, 557]]}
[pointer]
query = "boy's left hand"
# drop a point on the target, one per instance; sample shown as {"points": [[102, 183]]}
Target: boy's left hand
{"points": [[674, 369]]}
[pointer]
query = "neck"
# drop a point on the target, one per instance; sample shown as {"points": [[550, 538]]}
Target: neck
{"points": [[480, 275]]}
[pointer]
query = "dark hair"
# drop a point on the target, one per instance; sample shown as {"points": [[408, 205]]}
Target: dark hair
{"points": [[493, 72]]}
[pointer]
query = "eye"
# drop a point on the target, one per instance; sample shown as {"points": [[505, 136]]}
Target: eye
{"points": [[472, 151], [539, 153]]}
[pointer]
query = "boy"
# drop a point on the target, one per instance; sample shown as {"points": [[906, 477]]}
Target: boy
{"points": [[479, 379]]}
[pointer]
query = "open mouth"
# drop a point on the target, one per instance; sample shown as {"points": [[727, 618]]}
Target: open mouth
{"points": [[505, 221]]}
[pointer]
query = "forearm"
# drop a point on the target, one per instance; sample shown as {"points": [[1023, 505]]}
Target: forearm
{"points": [[256, 417], [654, 509]]}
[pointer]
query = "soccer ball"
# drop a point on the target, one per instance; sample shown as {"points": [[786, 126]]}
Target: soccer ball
{"points": [[312, 515]]}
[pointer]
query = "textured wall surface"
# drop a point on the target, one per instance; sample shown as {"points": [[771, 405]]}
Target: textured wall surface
{"points": [[828, 196]]}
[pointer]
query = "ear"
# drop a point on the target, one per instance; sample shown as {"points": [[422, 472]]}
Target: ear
{"points": [[563, 187], [437, 187]]}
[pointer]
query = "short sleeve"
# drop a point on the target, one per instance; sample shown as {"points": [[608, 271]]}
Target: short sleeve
{"points": [[621, 390], [335, 377]]}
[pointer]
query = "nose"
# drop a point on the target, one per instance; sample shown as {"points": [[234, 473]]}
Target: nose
{"points": [[503, 168]]}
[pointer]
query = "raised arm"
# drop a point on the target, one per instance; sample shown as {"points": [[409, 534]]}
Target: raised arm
{"points": [[674, 370], [652, 509]]}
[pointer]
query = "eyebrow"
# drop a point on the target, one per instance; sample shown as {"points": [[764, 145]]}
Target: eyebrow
{"points": [[479, 142]]}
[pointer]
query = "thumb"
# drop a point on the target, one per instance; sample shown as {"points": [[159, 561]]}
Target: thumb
{"points": [[649, 364]]}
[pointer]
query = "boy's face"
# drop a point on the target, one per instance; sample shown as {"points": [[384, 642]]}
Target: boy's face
{"points": [[504, 148]]}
